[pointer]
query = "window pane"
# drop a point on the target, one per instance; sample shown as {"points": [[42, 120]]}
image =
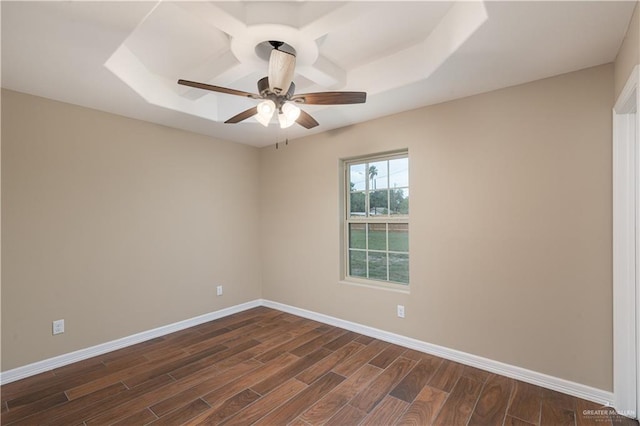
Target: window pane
{"points": [[378, 201], [399, 173], [399, 201], [357, 236], [357, 205], [378, 266], [399, 268], [399, 237], [357, 263], [378, 175], [376, 220], [377, 236], [357, 177]]}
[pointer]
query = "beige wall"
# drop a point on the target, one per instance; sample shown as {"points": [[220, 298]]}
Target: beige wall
{"points": [[117, 225], [629, 54], [510, 233]]}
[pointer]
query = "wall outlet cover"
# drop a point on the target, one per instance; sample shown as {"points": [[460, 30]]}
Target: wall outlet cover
{"points": [[58, 327]]}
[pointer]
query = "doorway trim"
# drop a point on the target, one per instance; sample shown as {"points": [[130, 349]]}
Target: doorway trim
{"points": [[625, 250]]}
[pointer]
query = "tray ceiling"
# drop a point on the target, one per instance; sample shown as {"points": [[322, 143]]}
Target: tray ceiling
{"points": [[125, 57]]}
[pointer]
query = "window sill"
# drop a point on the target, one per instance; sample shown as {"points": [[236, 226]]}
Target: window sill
{"points": [[396, 288]]}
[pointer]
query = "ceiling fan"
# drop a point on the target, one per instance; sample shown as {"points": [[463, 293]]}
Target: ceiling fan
{"points": [[277, 92]]}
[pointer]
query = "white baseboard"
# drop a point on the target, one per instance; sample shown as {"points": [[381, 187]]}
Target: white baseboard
{"points": [[540, 379], [561, 385], [65, 359]]}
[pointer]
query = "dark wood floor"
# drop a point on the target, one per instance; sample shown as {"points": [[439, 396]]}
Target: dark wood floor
{"points": [[266, 367]]}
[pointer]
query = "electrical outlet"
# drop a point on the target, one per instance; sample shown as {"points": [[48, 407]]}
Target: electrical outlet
{"points": [[219, 290], [401, 311], [58, 327]]}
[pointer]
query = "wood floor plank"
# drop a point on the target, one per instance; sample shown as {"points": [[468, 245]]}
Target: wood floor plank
{"points": [[323, 366], [557, 409], [424, 408], [108, 380], [329, 405], [182, 414], [348, 415], [271, 369], [79, 368], [459, 405], [26, 410], [298, 422], [312, 345], [142, 417], [475, 374], [387, 412], [446, 376], [342, 340], [174, 391], [526, 402], [38, 417], [290, 371], [56, 385], [387, 356], [182, 340], [202, 386], [22, 387], [413, 382], [142, 348], [491, 407], [226, 339], [114, 402], [381, 385], [514, 421], [172, 366], [125, 362], [302, 401], [229, 407], [554, 415], [279, 396], [365, 340], [200, 364], [300, 337], [559, 399], [287, 346], [355, 361]]}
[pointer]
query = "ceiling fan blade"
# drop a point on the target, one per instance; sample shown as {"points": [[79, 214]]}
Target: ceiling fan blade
{"points": [[243, 115], [281, 69], [306, 121], [218, 89], [331, 98]]}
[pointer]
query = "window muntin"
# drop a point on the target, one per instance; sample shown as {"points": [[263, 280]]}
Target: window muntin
{"points": [[377, 219]]}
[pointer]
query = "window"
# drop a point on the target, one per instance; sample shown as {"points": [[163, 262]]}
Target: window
{"points": [[377, 219]]}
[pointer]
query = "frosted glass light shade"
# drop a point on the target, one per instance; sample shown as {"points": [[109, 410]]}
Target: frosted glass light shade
{"points": [[265, 112], [289, 115]]}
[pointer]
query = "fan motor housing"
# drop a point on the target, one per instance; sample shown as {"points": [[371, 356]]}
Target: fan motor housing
{"points": [[263, 88]]}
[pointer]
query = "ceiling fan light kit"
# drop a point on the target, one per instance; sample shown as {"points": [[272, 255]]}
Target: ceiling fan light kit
{"points": [[288, 115], [277, 92], [266, 109]]}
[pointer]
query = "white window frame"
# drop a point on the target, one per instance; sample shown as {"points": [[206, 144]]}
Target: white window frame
{"points": [[347, 219]]}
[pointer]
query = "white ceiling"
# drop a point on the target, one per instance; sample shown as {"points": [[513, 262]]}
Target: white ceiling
{"points": [[125, 57]]}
